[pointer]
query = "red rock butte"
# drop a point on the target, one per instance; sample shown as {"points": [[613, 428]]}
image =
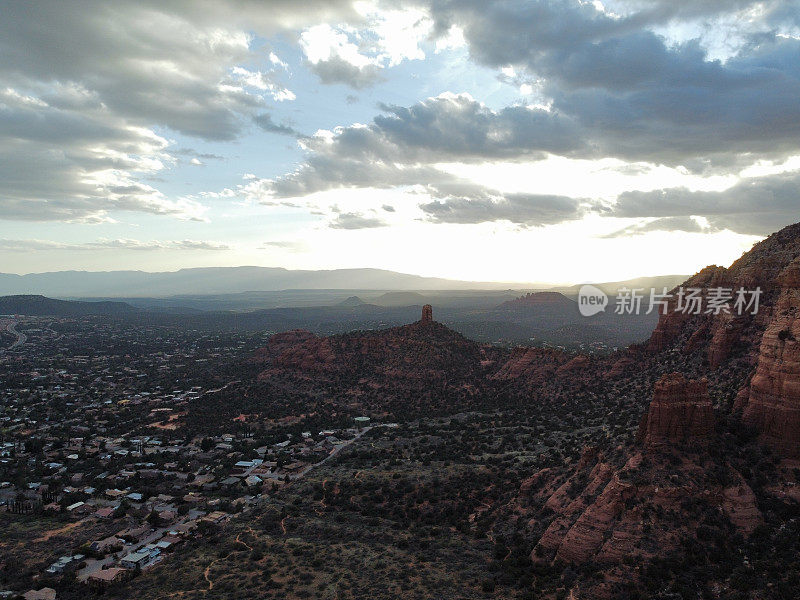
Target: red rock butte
{"points": [[681, 411], [427, 314]]}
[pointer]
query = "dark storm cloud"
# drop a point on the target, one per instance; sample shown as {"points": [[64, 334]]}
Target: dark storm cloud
{"points": [[634, 96]]}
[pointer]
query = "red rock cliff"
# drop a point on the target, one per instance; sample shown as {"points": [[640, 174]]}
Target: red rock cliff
{"points": [[772, 402], [680, 412]]}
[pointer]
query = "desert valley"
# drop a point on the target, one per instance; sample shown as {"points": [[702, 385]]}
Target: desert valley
{"points": [[400, 461]]}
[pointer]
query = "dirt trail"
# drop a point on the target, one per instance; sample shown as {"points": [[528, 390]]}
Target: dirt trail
{"points": [[206, 574], [54, 532], [245, 544]]}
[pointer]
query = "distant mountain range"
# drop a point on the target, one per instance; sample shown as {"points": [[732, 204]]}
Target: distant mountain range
{"points": [[223, 280], [41, 306], [235, 280]]}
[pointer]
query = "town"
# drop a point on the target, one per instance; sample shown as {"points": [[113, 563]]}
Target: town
{"points": [[95, 455]]}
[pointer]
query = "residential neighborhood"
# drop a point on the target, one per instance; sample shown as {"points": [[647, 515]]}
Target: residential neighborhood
{"points": [[95, 442]]}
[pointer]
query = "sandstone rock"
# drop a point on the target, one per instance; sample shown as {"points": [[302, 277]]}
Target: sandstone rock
{"points": [[538, 299], [725, 331], [772, 404], [673, 322], [619, 367], [575, 364], [535, 365], [680, 412], [427, 314], [585, 538], [739, 504]]}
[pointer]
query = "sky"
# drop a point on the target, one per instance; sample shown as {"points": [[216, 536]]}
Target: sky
{"points": [[524, 141]]}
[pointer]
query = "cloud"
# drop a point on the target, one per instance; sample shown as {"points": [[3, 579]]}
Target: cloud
{"points": [[265, 122], [195, 154], [687, 224], [357, 56], [337, 70], [93, 90], [396, 148], [631, 94], [68, 159], [283, 245], [480, 205], [86, 85], [355, 221], [755, 206], [611, 87], [175, 65], [29, 245], [336, 59]]}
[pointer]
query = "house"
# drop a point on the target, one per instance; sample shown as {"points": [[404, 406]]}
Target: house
{"points": [[104, 513], [230, 482], [42, 594], [172, 538], [134, 533], [253, 480], [167, 516], [136, 559], [64, 564], [109, 544], [105, 577], [215, 517]]}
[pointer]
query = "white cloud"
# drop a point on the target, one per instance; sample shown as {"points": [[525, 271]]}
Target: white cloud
{"points": [[29, 245]]}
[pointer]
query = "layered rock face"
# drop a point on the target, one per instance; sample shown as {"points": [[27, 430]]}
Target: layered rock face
{"points": [[606, 515], [613, 517], [680, 412], [772, 402]]}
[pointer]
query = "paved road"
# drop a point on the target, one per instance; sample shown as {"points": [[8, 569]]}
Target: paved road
{"points": [[21, 337]]}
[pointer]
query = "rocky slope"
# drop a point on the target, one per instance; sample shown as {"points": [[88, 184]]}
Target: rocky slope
{"points": [[668, 486], [425, 349]]}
